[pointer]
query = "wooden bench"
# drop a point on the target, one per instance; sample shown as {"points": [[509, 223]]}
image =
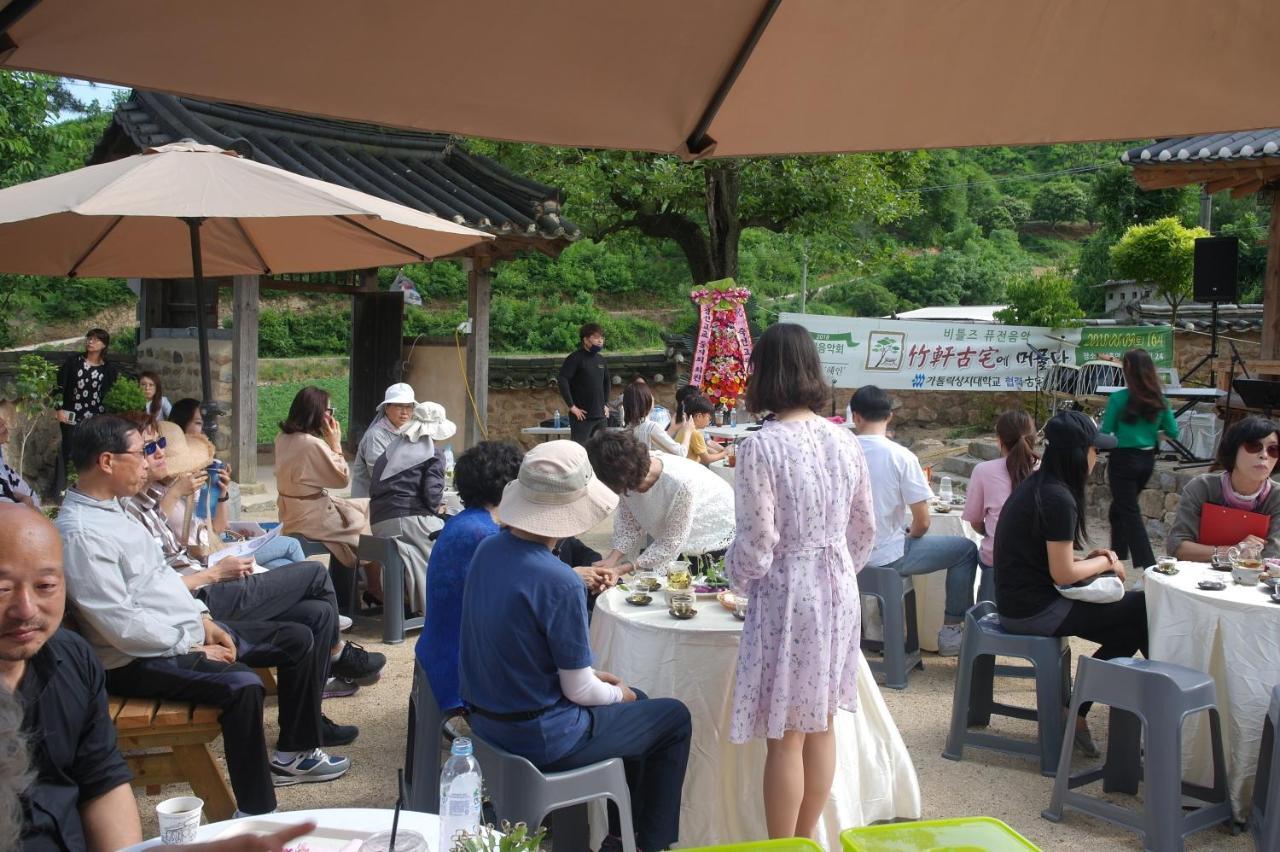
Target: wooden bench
{"points": [[167, 742]]}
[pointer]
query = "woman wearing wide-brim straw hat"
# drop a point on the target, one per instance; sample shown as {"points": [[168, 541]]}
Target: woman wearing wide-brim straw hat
{"points": [[392, 413], [525, 659], [188, 458], [407, 491]]}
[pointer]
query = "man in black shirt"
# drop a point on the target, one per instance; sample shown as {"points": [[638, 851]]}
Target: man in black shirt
{"points": [[80, 798], [584, 384]]}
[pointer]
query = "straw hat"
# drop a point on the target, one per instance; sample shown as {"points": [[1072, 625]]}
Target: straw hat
{"points": [[556, 494], [398, 394], [184, 453], [429, 420]]}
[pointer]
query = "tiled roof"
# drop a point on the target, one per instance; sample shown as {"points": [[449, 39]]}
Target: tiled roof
{"points": [[1195, 316], [1213, 147], [426, 171]]}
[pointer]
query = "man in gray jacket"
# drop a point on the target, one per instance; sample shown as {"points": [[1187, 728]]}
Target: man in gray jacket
{"points": [[157, 641]]}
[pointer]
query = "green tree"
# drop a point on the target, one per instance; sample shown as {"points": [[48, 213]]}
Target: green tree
{"points": [[704, 206], [125, 395], [1044, 301], [1060, 201], [1162, 254], [35, 383], [1117, 202]]}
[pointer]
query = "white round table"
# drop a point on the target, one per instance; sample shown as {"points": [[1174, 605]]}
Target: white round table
{"points": [[1234, 636], [335, 822], [723, 801]]}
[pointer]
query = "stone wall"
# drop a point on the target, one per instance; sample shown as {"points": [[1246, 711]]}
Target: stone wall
{"points": [[1158, 501], [512, 410], [176, 360], [42, 446]]}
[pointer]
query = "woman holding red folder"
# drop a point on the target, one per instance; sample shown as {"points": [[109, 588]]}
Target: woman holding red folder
{"points": [[1247, 456]]}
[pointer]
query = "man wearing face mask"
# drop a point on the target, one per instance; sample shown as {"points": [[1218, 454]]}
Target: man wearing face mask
{"points": [[584, 384]]}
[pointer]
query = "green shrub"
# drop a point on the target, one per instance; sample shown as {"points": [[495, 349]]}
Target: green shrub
{"points": [[125, 395], [321, 331]]}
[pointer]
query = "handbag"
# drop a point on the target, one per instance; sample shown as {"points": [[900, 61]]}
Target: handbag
{"points": [[1101, 588], [206, 541]]}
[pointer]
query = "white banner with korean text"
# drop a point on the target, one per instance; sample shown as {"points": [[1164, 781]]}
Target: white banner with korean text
{"points": [[903, 355]]}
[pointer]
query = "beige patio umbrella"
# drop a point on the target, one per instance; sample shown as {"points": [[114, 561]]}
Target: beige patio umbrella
{"points": [[711, 77], [190, 210]]}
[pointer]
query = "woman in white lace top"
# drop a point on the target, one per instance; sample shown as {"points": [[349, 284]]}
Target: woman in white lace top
{"points": [[637, 405], [686, 508]]}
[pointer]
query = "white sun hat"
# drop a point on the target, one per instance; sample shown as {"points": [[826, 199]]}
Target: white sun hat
{"points": [[556, 493], [398, 394], [429, 420]]}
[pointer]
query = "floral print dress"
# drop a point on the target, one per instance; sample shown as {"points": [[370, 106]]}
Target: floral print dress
{"points": [[805, 528]]}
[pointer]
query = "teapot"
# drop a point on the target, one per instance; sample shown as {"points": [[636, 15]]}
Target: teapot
{"points": [[1246, 563]]}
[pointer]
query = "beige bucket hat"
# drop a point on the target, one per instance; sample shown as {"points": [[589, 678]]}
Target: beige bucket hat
{"points": [[429, 420], [556, 493]]}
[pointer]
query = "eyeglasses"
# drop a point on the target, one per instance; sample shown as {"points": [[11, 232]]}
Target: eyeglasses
{"points": [[1255, 447], [329, 411], [149, 448]]}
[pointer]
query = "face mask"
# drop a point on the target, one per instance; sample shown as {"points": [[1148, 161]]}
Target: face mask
{"points": [[594, 349]]}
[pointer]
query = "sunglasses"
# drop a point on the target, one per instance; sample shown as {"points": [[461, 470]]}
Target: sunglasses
{"points": [[1255, 447], [150, 447]]}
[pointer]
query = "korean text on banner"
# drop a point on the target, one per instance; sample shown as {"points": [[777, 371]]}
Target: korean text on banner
{"points": [[902, 355]]}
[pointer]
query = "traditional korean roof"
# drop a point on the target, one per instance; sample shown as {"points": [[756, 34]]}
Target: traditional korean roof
{"points": [[431, 172], [1212, 147]]}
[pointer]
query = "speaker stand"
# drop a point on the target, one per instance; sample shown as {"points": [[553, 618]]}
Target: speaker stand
{"points": [[1212, 355]]}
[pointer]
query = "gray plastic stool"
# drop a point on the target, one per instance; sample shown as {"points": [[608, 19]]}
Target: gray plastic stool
{"points": [[422, 747], [897, 598], [383, 550], [1148, 701], [522, 793], [1264, 821], [973, 703]]}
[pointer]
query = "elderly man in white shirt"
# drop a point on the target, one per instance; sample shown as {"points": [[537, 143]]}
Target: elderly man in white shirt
{"points": [[683, 506], [157, 641]]}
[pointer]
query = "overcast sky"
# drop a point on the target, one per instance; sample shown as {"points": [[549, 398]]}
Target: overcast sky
{"points": [[85, 91]]}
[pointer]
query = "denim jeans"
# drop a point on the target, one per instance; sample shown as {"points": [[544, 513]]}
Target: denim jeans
{"points": [[279, 552], [951, 553], [987, 583]]}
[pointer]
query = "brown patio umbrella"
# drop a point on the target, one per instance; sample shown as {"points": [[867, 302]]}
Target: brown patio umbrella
{"points": [[187, 210], [711, 77]]}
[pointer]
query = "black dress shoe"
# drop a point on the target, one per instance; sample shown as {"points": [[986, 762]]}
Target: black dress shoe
{"points": [[333, 734]]}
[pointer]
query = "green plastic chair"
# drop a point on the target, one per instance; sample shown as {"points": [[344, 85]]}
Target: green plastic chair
{"points": [[963, 834], [786, 844]]}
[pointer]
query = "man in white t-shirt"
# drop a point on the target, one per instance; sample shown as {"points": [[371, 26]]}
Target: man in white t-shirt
{"points": [[899, 489]]}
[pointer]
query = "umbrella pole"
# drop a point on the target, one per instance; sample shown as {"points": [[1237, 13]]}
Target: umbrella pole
{"points": [[207, 405]]}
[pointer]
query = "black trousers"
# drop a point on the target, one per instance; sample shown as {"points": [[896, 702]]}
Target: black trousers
{"points": [[64, 459], [236, 689], [1128, 471], [581, 430], [1120, 628], [651, 735]]}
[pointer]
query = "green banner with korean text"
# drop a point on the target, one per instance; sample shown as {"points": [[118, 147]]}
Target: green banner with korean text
{"points": [[1113, 342]]}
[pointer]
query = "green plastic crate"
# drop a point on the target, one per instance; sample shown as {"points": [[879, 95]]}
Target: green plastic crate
{"points": [[787, 844], [963, 834]]}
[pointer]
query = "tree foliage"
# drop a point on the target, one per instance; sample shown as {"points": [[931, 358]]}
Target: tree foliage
{"points": [[1044, 301], [1060, 201], [1163, 254]]}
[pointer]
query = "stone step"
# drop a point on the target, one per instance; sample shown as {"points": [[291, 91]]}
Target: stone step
{"points": [[958, 465], [984, 449]]}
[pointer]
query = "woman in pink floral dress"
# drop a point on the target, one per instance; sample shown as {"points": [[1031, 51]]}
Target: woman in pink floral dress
{"points": [[805, 528]]}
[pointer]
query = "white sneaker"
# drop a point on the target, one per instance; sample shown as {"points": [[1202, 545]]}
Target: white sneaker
{"points": [[344, 623], [949, 639], [308, 767]]}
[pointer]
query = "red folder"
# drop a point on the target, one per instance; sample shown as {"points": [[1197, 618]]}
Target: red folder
{"points": [[1220, 526]]}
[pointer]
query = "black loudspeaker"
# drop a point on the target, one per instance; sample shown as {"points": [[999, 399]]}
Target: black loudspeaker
{"points": [[1216, 269]]}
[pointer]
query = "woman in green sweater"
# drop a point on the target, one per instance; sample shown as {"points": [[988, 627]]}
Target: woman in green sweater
{"points": [[1136, 416]]}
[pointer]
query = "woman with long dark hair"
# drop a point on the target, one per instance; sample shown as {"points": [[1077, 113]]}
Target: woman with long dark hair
{"points": [[993, 481], [158, 405], [1136, 415], [1041, 526], [309, 461], [83, 380], [805, 526], [637, 405]]}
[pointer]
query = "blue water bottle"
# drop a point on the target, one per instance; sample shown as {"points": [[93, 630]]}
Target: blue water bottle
{"points": [[207, 499]]}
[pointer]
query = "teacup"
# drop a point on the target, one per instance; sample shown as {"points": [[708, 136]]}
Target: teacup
{"points": [[1246, 574]]}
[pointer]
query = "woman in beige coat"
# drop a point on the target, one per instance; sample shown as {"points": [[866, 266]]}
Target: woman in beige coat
{"points": [[309, 460]]}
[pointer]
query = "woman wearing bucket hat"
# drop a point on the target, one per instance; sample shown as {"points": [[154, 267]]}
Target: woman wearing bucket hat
{"points": [[525, 660], [1041, 526], [189, 457], [407, 489], [393, 412]]}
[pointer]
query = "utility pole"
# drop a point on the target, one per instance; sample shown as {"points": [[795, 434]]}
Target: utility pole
{"points": [[804, 274]]}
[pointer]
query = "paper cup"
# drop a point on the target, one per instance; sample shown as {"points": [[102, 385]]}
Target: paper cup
{"points": [[179, 819]]}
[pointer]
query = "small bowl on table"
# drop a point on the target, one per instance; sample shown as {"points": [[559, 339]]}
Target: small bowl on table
{"points": [[1245, 575]]}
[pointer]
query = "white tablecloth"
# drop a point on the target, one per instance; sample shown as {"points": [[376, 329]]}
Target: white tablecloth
{"points": [[723, 799], [1233, 635], [364, 820]]}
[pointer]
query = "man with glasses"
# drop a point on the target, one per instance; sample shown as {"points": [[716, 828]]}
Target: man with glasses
{"points": [[157, 641]]}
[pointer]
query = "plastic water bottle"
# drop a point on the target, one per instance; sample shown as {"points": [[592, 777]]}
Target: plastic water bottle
{"points": [[733, 416], [448, 463], [944, 490], [557, 418], [459, 794]]}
